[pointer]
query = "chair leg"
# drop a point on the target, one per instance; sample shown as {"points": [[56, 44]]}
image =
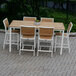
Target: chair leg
{"points": [[55, 44], [52, 48], [38, 48], [68, 45], [4, 42], [55, 48], [17, 42], [17, 46], [69, 49], [51, 54], [52, 45], [61, 46], [33, 53], [20, 48], [19, 52], [33, 48], [4, 45], [23, 46], [37, 53]]}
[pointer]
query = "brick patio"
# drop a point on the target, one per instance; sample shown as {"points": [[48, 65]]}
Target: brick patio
{"points": [[13, 64]]}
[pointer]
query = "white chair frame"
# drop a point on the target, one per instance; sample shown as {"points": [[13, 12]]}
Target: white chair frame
{"points": [[21, 41], [15, 37], [65, 45], [42, 40]]}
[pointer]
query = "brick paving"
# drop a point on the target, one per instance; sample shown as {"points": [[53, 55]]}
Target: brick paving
{"points": [[13, 64]]}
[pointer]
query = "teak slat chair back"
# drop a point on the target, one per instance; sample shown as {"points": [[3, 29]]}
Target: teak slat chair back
{"points": [[47, 19], [29, 18], [46, 31], [69, 27], [28, 30], [6, 23]]}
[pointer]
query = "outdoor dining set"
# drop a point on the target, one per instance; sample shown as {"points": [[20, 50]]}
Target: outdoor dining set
{"points": [[46, 36]]}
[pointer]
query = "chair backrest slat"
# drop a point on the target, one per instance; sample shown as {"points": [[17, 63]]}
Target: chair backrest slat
{"points": [[29, 18], [27, 30], [46, 31], [6, 23], [69, 27], [47, 19]]}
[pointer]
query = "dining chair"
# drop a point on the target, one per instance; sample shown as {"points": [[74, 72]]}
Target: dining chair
{"points": [[47, 19], [66, 42], [29, 18], [27, 39], [45, 40], [14, 35]]}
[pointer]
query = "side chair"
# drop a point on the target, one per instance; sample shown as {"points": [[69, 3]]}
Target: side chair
{"points": [[15, 34], [66, 42], [45, 40], [27, 39]]}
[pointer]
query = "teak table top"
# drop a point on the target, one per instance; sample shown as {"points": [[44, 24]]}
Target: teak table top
{"points": [[56, 25]]}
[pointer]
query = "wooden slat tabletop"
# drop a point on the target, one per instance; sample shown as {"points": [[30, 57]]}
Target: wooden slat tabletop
{"points": [[56, 25]]}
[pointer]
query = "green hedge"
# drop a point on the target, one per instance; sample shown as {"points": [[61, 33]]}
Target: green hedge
{"points": [[58, 15]]}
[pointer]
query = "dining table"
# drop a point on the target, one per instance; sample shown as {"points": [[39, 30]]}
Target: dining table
{"points": [[58, 26]]}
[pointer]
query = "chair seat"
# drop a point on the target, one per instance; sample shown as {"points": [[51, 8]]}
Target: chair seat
{"points": [[45, 37], [28, 36], [15, 31], [60, 34]]}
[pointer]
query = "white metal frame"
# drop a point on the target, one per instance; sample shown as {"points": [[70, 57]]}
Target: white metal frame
{"points": [[43, 40], [15, 37], [63, 38], [47, 18], [21, 41], [28, 17]]}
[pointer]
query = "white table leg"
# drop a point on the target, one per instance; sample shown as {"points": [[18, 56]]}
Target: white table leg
{"points": [[10, 41], [62, 42]]}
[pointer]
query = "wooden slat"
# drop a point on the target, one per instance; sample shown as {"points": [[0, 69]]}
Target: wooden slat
{"points": [[28, 32], [46, 33], [6, 23], [60, 34], [29, 18], [47, 19], [69, 27]]}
